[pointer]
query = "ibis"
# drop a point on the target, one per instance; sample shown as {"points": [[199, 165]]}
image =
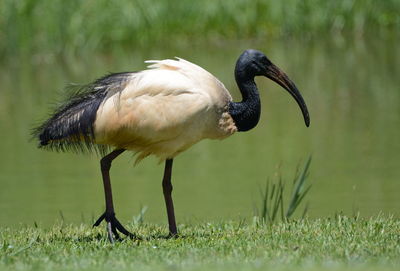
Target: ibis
{"points": [[160, 111]]}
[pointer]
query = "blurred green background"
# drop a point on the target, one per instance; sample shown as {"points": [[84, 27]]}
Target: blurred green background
{"points": [[343, 55]]}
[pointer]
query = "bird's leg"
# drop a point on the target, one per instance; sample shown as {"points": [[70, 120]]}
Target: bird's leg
{"points": [[113, 225], [167, 189]]}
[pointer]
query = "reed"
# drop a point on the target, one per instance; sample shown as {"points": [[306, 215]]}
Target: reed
{"points": [[272, 198], [57, 26]]}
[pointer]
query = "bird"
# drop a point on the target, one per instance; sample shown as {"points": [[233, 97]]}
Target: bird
{"points": [[161, 111]]}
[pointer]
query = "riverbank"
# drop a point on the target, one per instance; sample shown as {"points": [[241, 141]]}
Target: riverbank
{"points": [[65, 27]]}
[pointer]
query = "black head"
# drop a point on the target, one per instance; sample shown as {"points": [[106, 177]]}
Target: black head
{"points": [[255, 63]]}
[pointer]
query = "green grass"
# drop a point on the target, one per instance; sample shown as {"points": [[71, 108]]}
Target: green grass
{"points": [[339, 243], [48, 27], [272, 198]]}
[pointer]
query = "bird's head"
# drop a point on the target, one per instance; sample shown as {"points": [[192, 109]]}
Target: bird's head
{"points": [[255, 63]]}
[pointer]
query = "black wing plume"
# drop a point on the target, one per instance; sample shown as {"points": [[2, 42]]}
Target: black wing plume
{"points": [[70, 126]]}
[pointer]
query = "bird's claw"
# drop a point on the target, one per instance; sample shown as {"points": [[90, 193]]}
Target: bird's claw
{"points": [[113, 227]]}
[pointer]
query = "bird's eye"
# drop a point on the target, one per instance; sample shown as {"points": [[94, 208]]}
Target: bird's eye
{"points": [[265, 60], [258, 64]]}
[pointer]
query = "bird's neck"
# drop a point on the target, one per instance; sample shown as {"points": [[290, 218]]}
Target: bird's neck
{"points": [[246, 113]]}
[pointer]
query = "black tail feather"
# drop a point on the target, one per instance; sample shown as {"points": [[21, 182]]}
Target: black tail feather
{"points": [[70, 127]]}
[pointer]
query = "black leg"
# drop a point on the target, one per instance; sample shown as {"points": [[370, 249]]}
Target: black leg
{"points": [[113, 225], [167, 189]]}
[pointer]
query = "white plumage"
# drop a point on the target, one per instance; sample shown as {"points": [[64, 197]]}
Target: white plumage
{"points": [[164, 110]]}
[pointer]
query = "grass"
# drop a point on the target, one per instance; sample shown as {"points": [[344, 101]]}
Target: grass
{"points": [[61, 27], [339, 243], [272, 202]]}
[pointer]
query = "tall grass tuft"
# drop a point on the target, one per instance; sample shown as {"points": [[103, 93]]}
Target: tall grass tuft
{"points": [[272, 197], [139, 219]]}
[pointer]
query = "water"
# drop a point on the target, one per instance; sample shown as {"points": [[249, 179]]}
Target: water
{"points": [[351, 89]]}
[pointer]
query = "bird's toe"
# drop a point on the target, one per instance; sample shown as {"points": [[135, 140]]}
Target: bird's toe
{"points": [[113, 227]]}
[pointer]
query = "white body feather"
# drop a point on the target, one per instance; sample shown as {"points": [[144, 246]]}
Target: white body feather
{"points": [[164, 110]]}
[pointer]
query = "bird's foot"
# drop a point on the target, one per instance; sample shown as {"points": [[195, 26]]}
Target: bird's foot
{"points": [[113, 227]]}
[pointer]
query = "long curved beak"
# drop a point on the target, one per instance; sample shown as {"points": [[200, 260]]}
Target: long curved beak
{"points": [[278, 76]]}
